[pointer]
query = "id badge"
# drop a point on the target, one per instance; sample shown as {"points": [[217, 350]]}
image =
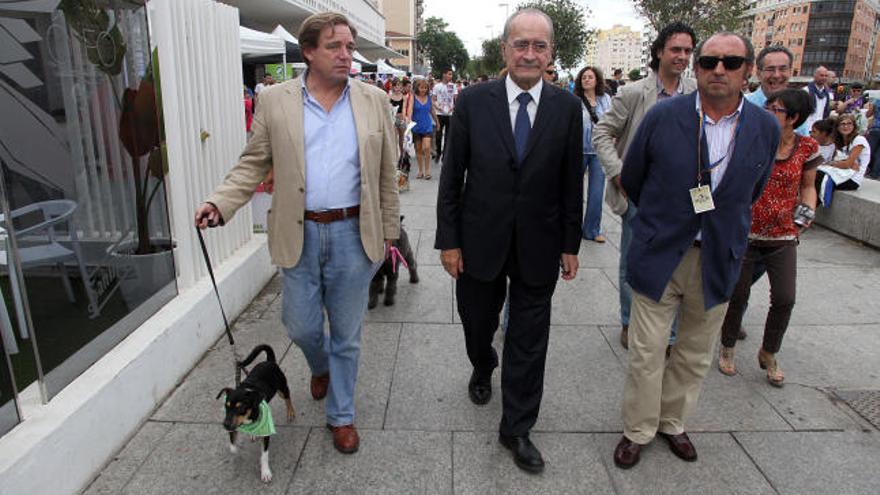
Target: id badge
{"points": [[701, 197]]}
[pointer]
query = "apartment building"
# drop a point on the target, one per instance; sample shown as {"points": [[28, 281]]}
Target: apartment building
{"points": [[617, 48], [841, 35], [403, 21]]}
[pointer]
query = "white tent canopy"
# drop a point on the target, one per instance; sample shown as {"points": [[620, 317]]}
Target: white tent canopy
{"points": [[255, 43], [284, 34], [382, 67]]}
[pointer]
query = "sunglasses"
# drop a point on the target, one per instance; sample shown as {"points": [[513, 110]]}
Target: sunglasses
{"points": [[709, 62], [550, 72]]}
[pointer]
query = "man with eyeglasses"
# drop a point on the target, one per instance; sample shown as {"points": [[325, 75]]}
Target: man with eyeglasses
{"points": [[694, 168], [774, 70], [550, 73], [670, 56], [509, 209]]}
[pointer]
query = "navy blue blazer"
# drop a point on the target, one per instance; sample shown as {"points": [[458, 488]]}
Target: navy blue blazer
{"points": [[659, 169], [486, 197]]}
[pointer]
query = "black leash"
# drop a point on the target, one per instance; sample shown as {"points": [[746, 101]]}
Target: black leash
{"points": [[238, 367]]}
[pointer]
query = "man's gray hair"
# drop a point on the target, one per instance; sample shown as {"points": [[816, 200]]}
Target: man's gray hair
{"points": [[767, 50], [506, 32], [750, 49]]}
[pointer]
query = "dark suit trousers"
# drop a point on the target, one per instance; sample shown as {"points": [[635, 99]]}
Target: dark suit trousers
{"points": [[525, 344]]}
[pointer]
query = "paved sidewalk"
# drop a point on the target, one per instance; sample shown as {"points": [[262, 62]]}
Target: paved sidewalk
{"points": [[421, 434]]}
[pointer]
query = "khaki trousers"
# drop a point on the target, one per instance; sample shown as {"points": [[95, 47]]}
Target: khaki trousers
{"points": [[658, 394]]}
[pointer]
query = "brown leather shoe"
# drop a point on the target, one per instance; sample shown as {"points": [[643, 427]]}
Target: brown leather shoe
{"points": [[624, 336], [626, 455], [681, 446], [319, 386], [345, 438]]}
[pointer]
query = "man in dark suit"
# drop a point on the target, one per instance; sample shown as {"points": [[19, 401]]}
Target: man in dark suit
{"points": [[694, 168], [509, 207]]}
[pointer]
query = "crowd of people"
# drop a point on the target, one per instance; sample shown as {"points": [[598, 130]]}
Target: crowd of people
{"points": [[714, 188]]}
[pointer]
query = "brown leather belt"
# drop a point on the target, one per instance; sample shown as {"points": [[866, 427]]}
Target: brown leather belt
{"points": [[327, 216]]}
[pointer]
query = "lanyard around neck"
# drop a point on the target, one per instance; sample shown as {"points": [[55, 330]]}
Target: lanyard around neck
{"points": [[730, 144]]}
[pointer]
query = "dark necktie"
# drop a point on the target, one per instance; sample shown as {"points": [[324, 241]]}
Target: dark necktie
{"points": [[523, 126]]}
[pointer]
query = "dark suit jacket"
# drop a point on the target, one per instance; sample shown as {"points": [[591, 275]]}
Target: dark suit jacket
{"points": [[660, 168], [484, 197]]}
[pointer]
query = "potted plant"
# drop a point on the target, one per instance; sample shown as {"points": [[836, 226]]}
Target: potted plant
{"points": [[145, 262]]}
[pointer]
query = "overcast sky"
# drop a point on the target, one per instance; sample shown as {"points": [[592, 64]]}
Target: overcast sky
{"points": [[476, 20]]}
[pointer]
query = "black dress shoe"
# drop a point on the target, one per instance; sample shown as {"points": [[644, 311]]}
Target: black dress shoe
{"points": [[681, 446], [525, 455], [480, 388], [626, 454]]}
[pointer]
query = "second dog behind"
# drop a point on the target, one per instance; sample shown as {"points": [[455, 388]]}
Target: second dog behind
{"points": [[385, 279]]}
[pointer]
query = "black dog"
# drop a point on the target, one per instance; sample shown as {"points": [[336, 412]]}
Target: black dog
{"points": [[390, 270], [243, 403]]}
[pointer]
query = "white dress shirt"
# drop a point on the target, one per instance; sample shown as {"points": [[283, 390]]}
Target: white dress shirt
{"points": [[513, 91]]}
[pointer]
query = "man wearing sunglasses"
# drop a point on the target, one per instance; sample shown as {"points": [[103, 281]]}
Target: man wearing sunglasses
{"points": [[693, 170]]}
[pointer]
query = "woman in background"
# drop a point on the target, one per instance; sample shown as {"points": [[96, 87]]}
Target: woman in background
{"points": [[421, 111], [589, 86]]}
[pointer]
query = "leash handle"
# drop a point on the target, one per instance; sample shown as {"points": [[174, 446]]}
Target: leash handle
{"points": [[217, 293]]}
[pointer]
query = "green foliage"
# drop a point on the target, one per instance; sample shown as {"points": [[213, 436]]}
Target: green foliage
{"points": [[443, 47], [570, 26], [491, 61], [634, 75], [704, 16]]}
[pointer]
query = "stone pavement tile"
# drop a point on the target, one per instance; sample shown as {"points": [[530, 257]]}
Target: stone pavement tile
{"points": [[829, 356], [810, 409], [388, 462], [265, 299], [590, 299], [820, 247], [610, 222], [595, 255], [124, 464], [195, 458], [421, 193], [429, 301], [805, 463], [722, 467], [194, 400], [826, 296], [729, 403], [429, 391], [573, 465], [583, 383], [419, 217], [426, 255], [378, 349]]}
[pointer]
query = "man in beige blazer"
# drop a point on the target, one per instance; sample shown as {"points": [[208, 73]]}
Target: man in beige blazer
{"points": [[670, 55], [332, 147]]}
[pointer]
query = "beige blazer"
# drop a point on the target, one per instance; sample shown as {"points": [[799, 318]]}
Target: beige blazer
{"points": [[278, 143], [617, 127]]}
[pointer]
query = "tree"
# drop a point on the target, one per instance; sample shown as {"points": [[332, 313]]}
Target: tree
{"points": [[492, 61], [569, 25], [634, 75], [443, 47], [704, 16]]}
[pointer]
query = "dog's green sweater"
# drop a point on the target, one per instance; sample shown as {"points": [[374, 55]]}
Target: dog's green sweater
{"points": [[262, 427]]}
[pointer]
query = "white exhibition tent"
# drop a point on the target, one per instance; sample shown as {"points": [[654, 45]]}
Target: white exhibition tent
{"points": [[257, 44], [382, 67]]}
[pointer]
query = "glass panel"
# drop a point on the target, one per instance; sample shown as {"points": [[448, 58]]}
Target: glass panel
{"points": [[81, 148], [8, 400]]}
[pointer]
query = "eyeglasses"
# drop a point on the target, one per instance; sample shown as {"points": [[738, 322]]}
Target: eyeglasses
{"points": [[778, 110], [776, 68], [550, 72], [847, 123], [709, 62], [537, 46]]}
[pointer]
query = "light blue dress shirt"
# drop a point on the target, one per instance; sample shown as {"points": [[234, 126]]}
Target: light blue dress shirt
{"points": [[333, 171]]}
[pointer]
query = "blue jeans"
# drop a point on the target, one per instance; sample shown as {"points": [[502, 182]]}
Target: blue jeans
{"points": [[333, 273], [874, 143], [595, 194], [625, 289]]}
